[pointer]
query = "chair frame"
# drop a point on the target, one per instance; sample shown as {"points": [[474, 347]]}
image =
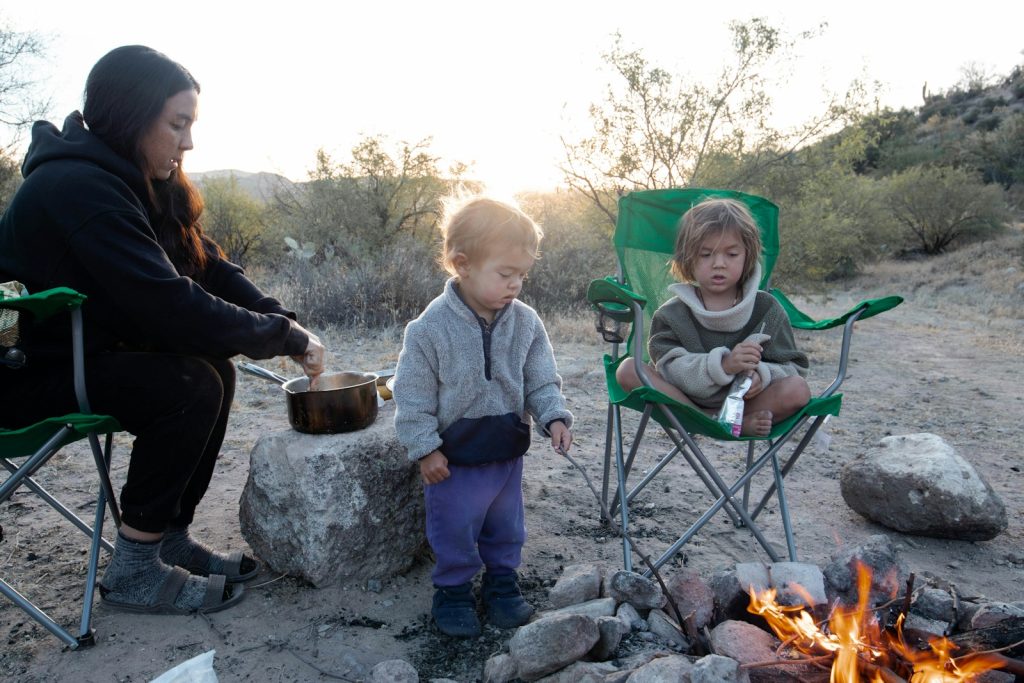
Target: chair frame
{"points": [[613, 301], [67, 429]]}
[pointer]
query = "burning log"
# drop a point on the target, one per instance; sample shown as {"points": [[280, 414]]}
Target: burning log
{"points": [[857, 643], [1007, 633]]}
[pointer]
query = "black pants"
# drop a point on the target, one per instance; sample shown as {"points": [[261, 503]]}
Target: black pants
{"points": [[176, 407]]}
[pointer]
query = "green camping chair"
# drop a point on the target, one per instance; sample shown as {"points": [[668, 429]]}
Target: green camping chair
{"points": [[644, 240], [23, 451]]}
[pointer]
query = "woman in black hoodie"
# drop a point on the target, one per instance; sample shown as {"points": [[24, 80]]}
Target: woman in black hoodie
{"points": [[106, 209]]}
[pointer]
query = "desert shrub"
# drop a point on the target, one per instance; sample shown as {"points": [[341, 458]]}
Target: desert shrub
{"points": [[935, 207], [830, 229], [389, 286], [576, 249]]}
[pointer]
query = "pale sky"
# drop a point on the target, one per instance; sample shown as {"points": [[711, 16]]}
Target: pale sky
{"points": [[494, 84]]}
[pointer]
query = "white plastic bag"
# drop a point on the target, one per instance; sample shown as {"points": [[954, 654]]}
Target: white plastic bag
{"points": [[199, 669]]}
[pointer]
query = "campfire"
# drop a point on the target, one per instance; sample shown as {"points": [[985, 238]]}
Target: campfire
{"points": [[858, 644]]}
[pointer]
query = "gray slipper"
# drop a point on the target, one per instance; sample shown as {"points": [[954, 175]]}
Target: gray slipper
{"points": [[215, 599], [199, 564]]}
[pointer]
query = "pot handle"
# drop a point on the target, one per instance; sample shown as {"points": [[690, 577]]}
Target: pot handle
{"points": [[262, 373]]}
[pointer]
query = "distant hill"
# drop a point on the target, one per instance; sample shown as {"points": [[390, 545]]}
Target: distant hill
{"points": [[261, 185]]}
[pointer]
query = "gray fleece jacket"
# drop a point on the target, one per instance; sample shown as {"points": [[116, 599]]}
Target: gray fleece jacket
{"points": [[469, 388], [688, 342]]}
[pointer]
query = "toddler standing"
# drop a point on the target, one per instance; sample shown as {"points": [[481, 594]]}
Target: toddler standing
{"points": [[474, 367]]}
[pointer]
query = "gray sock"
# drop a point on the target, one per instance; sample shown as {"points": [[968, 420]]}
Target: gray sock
{"points": [[135, 575], [178, 547]]}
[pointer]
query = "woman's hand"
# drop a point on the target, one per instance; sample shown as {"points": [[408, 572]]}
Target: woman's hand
{"points": [[561, 437], [434, 468], [312, 360], [744, 357]]}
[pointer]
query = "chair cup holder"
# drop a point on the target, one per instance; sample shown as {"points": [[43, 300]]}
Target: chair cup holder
{"points": [[611, 330]]}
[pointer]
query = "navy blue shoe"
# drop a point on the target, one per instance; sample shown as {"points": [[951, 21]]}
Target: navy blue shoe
{"points": [[454, 611], [506, 607]]}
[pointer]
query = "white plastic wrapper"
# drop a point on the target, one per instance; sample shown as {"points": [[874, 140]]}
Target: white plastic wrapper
{"points": [[731, 413]]}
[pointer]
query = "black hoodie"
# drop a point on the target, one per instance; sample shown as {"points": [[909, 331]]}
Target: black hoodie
{"points": [[80, 220]]}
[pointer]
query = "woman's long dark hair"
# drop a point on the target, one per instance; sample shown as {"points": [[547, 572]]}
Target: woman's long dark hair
{"points": [[125, 93]]}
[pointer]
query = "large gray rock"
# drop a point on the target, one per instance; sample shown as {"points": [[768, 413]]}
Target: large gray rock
{"points": [[334, 507], [549, 644], [918, 484]]}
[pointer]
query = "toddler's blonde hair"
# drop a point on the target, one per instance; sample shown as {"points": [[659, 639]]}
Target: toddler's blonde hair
{"points": [[709, 217], [479, 226]]}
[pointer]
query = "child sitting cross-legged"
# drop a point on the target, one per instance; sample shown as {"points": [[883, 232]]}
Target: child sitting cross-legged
{"points": [[719, 325]]}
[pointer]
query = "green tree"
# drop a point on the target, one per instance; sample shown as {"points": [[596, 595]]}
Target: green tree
{"points": [[938, 206], [365, 203], [654, 130], [235, 219]]}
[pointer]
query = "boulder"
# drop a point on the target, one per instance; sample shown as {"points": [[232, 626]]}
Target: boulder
{"points": [[334, 507], [547, 645], [918, 484]]}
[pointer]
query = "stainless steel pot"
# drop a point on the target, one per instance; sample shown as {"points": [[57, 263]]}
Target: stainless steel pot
{"points": [[341, 402]]}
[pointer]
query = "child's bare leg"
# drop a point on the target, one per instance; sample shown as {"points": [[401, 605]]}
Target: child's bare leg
{"points": [[628, 379], [782, 398]]}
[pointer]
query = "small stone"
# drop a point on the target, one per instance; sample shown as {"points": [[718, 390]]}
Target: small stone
{"points": [[393, 671], [374, 586], [637, 590]]}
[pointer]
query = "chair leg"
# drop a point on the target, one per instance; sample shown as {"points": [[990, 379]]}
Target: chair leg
{"points": [[609, 432], [620, 471], [37, 614], [797, 452]]}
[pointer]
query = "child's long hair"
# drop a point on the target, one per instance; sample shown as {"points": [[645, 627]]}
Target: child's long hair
{"points": [[478, 226], [715, 216]]}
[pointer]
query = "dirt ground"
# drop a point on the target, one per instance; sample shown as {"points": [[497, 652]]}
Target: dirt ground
{"points": [[925, 367]]}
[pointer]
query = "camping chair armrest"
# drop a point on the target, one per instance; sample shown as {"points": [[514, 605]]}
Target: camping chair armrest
{"points": [[45, 304], [613, 299], [42, 305], [862, 310]]}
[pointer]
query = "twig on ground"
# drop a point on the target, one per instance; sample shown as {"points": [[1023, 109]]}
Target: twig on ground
{"points": [[322, 672], [643, 556], [267, 583]]}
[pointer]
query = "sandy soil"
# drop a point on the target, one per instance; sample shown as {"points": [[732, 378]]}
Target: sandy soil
{"points": [[912, 370]]}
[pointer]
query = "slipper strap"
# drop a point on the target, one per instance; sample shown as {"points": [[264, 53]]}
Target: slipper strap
{"points": [[233, 564], [172, 586], [214, 591]]}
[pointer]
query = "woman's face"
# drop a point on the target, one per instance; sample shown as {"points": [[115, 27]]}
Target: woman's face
{"points": [[164, 145]]}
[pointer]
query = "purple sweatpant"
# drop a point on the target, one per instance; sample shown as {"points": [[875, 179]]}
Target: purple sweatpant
{"points": [[475, 518]]}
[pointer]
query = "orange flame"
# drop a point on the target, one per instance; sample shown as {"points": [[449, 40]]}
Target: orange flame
{"points": [[857, 641]]}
